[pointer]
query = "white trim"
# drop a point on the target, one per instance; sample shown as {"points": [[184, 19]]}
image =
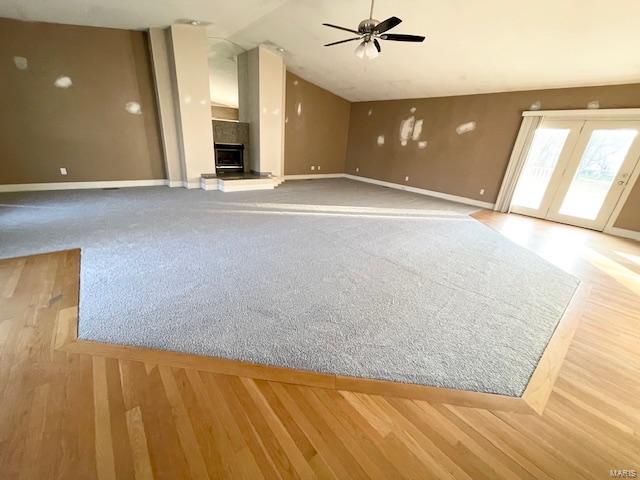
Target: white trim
{"points": [[26, 187], [209, 183], [407, 188], [516, 163], [314, 176], [622, 232], [239, 185], [233, 187], [422, 191], [613, 113], [176, 183]]}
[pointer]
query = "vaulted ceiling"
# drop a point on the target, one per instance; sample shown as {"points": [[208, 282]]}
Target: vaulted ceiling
{"points": [[472, 46]]}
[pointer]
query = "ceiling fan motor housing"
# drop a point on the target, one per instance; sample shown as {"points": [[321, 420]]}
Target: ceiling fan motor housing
{"points": [[368, 25]]}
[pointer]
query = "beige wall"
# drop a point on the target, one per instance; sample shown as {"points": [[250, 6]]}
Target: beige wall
{"points": [[86, 127], [464, 164], [629, 217], [318, 134]]}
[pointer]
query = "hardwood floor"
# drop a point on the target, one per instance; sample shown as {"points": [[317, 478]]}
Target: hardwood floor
{"points": [[76, 410]]}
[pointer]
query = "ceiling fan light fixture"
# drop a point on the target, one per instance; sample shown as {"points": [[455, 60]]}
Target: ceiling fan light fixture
{"points": [[370, 50], [370, 32]]}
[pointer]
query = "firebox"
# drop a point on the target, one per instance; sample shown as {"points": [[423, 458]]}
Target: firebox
{"points": [[229, 157]]}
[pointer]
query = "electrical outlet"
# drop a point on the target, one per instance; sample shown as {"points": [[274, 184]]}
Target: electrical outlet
{"points": [[357, 169], [482, 191], [313, 167], [318, 167], [63, 171], [406, 179]]}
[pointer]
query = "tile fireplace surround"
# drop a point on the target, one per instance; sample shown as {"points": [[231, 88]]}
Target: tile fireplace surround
{"points": [[233, 132]]}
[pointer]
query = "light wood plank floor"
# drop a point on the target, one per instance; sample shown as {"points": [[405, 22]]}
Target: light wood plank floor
{"points": [[84, 414]]}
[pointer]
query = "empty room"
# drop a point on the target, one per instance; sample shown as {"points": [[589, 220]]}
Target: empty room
{"points": [[319, 239]]}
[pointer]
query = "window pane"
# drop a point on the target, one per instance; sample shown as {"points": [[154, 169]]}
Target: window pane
{"points": [[541, 160], [599, 166]]}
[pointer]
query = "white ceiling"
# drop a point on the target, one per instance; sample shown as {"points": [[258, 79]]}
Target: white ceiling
{"points": [[472, 46]]}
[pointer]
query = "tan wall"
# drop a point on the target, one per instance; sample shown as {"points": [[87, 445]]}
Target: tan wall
{"points": [[84, 128], [464, 164], [629, 217], [318, 135], [224, 113]]}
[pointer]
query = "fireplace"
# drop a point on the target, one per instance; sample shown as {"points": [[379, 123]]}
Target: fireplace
{"points": [[229, 157]]}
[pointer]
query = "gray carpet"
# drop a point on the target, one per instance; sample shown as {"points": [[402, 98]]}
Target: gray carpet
{"points": [[326, 275]]}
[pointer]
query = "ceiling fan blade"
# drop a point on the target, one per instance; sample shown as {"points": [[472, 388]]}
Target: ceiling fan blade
{"points": [[340, 28], [377, 44], [400, 37], [387, 24], [342, 41]]}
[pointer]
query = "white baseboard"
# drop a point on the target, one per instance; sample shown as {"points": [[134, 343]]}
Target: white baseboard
{"points": [[314, 176], [23, 187], [422, 191], [622, 232], [26, 187]]}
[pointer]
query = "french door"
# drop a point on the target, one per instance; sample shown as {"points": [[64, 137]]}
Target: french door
{"points": [[575, 170]]}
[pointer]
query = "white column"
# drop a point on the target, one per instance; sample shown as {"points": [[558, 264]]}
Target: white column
{"points": [[188, 45], [261, 79], [162, 72]]}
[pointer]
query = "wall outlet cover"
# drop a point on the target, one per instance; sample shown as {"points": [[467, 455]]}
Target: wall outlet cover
{"points": [[63, 171], [313, 167]]}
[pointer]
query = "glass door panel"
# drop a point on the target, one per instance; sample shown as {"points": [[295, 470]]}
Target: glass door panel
{"points": [[597, 172], [541, 161], [549, 150]]}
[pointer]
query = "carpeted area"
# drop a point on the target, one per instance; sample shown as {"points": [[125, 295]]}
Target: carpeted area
{"points": [[333, 276]]}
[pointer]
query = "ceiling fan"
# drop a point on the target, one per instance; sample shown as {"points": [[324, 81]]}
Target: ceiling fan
{"points": [[369, 31]]}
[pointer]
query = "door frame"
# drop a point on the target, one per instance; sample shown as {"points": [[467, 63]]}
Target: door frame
{"points": [[615, 191], [586, 114], [565, 154]]}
